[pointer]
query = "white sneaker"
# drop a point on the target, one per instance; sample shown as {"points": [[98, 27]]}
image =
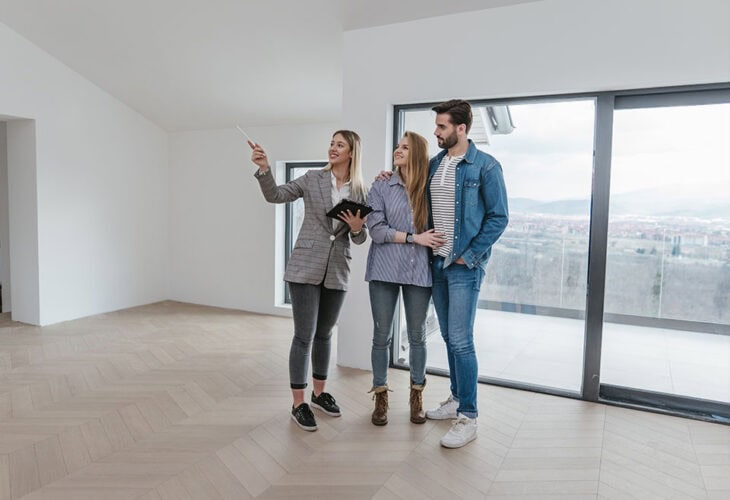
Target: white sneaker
{"points": [[463, 431], [446, 410]]}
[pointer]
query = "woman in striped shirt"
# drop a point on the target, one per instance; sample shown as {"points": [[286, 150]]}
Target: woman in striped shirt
{"points": [[399, 261]]}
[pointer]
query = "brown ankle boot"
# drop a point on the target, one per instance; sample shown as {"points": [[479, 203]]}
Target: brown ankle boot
{"points": [[380, 414], [418, 416]]}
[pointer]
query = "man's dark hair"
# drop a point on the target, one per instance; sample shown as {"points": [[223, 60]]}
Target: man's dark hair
{"points": [[458, 110]]}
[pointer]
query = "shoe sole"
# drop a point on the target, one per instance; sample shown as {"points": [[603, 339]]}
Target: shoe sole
{"points": [[379, 424], [418, 421], [454, 446], [331, 414], [439, 417], [309, 429]]}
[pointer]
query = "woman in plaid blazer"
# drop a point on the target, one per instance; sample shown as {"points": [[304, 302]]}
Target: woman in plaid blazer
{"points": [[319, 267]]}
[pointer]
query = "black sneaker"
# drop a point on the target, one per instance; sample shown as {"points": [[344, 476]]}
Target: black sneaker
{"points": [[326, 403], [304, 417]]}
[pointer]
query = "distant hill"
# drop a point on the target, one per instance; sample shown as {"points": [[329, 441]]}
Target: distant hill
{"points": [[669, 202], [648, 202], [557, 207], [522, 204]]}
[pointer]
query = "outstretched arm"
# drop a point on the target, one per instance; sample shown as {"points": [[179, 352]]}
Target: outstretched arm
{"points": [[273, 193]]}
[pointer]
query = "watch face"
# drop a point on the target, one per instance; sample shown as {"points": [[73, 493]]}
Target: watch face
{"points": [[409, 238]]}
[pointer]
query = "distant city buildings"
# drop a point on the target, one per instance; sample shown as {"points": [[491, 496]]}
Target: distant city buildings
{"points": [[657, 266]]}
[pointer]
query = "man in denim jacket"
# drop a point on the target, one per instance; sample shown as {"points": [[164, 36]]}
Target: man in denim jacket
{"points": [[468, 203]]}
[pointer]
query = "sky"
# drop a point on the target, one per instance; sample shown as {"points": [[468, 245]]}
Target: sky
{"points": [[549, 155]]}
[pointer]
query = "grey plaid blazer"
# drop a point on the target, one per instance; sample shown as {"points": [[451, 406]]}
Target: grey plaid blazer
{"points": [[321, 252]]}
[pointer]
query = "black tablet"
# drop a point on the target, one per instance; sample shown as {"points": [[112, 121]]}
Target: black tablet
{"points": [[352, 206]]}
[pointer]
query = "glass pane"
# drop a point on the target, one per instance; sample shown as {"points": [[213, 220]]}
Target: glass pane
{"points": [[529, 325], [667, 304]]}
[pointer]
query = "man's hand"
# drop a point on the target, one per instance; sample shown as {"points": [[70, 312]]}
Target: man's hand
{"points": [[384, 175]]}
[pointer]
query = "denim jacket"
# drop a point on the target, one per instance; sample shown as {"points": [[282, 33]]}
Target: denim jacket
{"points": [[481, 214]]}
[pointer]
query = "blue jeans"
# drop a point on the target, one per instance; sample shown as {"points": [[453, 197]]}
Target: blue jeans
{"points": [[455, 296], [383, 298]]}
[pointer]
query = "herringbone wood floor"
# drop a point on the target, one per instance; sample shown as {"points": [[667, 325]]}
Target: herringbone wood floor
{"points": [[174, 401]]}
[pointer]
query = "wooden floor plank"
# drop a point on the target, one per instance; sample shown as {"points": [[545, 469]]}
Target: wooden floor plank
{"points": [[176, 401]]}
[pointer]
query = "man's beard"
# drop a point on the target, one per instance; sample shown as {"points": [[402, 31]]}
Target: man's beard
{"points": [[449, 142]]}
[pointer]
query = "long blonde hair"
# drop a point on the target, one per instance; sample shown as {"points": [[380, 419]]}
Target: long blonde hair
{"points": [[417, 178], [357, 185]]}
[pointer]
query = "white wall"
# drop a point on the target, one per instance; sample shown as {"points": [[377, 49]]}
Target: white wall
{"points": [[223, 242], [4, 221], [100, 180], [549, 47]]}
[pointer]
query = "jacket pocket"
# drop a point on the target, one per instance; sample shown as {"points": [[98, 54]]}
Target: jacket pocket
{"points": [[471, 192]]}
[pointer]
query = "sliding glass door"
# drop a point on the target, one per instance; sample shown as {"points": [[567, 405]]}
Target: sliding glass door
{"points": [[612, 280], [667, 297]]}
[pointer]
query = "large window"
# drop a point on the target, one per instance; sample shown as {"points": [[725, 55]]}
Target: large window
{"points": [[538, 268], [659, 268], [668, 261]]}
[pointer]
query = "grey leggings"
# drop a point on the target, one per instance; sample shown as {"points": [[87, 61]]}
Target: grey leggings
{"points": [[315, 310]]}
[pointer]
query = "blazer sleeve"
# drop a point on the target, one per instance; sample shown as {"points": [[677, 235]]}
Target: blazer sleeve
{"points": [[363, 235], [360, 238], [273, 193]]}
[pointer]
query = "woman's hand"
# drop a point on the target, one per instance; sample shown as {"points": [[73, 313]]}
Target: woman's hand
{"points": [[430, 239], [354, 221], [258, 156]]}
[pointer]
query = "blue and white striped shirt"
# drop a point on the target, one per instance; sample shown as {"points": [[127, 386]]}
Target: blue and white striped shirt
{"points": [[442, 201], [403, 263]]}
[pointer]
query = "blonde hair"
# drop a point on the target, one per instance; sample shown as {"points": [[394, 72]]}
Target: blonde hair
{"points": [[417, 178], [357, 185]]}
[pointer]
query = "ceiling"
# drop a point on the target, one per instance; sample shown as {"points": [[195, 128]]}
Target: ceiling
{"points": [[195, 64]]}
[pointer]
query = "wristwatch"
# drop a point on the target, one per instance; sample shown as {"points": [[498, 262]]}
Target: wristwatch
{"points": [[409, 238]]}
